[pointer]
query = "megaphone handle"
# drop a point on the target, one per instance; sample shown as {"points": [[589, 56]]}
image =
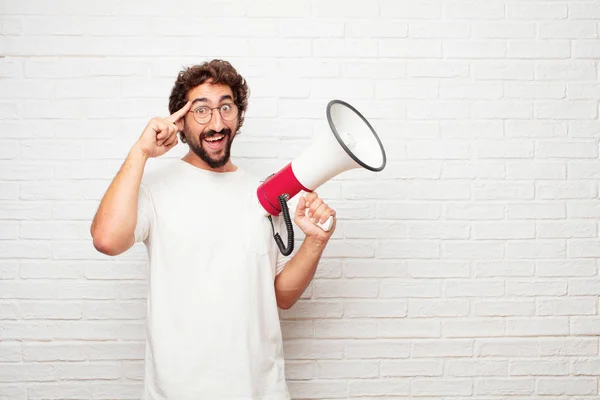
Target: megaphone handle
{"points": [[326, 226]]}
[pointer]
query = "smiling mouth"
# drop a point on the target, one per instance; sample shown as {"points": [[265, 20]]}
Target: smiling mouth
{"points": [[214, 142]]}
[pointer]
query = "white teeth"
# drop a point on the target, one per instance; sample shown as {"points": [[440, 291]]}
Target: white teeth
{"points": [[215, 138]]}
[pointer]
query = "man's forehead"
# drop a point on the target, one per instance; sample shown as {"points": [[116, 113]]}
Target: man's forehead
{"points": [[209, 92]]}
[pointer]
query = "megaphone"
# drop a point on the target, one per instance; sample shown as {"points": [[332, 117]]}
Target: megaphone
{"points": [[354, 144]]}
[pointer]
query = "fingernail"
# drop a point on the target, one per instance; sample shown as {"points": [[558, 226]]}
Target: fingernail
{"points": [[309, 214]]}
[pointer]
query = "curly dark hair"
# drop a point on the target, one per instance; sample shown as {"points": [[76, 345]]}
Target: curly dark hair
{"points": [[220, 72]]}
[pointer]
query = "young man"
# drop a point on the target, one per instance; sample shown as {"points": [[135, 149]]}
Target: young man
{"points": [[216, 275]]}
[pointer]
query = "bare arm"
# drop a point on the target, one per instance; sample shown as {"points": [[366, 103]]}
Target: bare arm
{"points": [[300, 270], [113, 227], [114, 224]]}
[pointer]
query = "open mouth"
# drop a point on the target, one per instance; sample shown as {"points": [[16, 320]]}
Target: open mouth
{"points": [[215, 142]]}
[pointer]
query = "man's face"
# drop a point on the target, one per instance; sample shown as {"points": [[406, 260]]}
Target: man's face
{"points": [[211, 141]]}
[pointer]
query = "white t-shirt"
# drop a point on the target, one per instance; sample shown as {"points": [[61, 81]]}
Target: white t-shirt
{"points": [[213, 329]]}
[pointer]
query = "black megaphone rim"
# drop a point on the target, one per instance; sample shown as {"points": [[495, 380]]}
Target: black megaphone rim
{"points": [[341, 142]]}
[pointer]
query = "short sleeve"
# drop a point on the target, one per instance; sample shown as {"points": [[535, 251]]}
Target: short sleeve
{"points": [[144, 214], [281, 259]]}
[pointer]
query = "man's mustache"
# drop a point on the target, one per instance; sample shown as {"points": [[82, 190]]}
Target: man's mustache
{"points": [[211, 133]]}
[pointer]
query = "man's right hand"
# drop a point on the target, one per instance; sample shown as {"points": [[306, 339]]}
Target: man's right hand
{"points": [[160, 135]]}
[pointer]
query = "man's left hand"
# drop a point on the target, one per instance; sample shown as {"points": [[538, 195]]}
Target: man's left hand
{"points": [[312, 210]]}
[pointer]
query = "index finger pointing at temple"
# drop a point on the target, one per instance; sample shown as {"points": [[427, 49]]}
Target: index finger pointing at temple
{"points": [[176, 116]]}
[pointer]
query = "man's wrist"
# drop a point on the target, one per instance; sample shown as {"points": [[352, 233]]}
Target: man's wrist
{"points": [[138, 153]]}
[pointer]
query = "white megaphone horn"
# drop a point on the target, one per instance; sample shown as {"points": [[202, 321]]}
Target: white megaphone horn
{"points": [[354, 144]]}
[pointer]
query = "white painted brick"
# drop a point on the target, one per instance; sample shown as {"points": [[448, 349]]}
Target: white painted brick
{"points": [[583, 209], [540, 326], [373, 28], [299, 27], [514, 347], [411, 368], [417, 48], [503, 308], [503, 230], [420, 249], [569, 306], [469, 288], [554, 268], [441, 29], [474, 211], [310, 349], [586, 367], [438, 308], [585, 326], [513, 268], [438, 269], [409, 328], [536, 288], [544, 129], [538, 249], [535, 11], [375, 309], [438, 110], [411, 9], [572, 71], [566, 149], [505, 387], [570, 110], [373, 230], [50, 310], [503, 191], [345, 329], [373, 269], [479, 169], [583, 91], [535, 91], [344, 48], [566, 190], [536, 210], [437, 387], [559, 229], [380, 387], [58, 391], [517, 170], [472, 129], [400, 89], [468, 9], [327, 288], [475, 368], [538, 368], [375, 349], [347, 369], [568, 30], [567, 386], [475, 328], [538, 49], [582, 287], [297, 329], [409, 211], [437, 69], [589, 48], [471, 49], [504, 30], [472, 250], [470, 91], [582, 248], [112, 390], [487, 70], [410, 288], [442, 348]]}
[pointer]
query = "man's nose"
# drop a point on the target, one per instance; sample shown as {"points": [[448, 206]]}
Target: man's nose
{"points": [[216, 123]]}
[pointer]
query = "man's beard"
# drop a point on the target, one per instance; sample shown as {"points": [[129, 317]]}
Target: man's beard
{"points": [[198, 147]]}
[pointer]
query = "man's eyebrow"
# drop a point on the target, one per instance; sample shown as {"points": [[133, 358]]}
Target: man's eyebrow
{"points": [[205, 100]]}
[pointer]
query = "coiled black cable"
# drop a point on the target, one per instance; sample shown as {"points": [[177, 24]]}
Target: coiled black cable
{"points": [[286, 251]]}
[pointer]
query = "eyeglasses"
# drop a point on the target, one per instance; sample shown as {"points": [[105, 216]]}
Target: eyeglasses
{"points": [[203, 114]]}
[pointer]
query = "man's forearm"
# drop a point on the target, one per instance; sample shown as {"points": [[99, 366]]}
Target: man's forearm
{"points": [[298, 273], [114, 222]]}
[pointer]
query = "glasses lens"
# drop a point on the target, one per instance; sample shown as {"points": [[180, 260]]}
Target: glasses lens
{"points": [[202, 115], [228, 111]]}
